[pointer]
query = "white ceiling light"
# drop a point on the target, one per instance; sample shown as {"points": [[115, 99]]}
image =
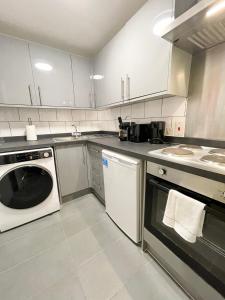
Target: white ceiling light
{"points": [[43, 66], [215, 8], [160, 25], [97, 77]]}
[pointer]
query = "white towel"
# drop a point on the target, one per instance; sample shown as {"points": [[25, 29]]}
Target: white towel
{"points": [[185, 215]]}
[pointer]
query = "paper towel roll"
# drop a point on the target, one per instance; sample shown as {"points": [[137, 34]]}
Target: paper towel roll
{"points": [[31, 133]]}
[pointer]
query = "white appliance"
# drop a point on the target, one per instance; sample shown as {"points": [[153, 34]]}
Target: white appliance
{"points": [[123, 192], [28, 186]]}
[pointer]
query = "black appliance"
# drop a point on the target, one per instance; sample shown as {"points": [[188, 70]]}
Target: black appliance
{"points": [[124, 129], [206, 257], [139, 133], [156, 132]]}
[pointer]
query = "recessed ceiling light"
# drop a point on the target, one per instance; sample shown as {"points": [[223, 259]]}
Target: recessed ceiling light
{"points": [[215, 8], [97, 77], [160, 25], [43, 66]]}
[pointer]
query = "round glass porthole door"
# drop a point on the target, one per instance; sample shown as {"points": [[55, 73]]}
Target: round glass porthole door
{"points": [[25, 187]]}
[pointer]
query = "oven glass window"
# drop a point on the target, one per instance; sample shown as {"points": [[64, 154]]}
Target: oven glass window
{"points": [[207, 255], [25, 187]]}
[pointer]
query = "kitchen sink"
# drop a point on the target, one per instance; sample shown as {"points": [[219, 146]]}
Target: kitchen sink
{"points": [[83, 137], [69, 138]]}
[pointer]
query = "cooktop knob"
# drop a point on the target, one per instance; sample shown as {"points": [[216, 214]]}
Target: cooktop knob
{"points": [[46, 154], [162, 171]]}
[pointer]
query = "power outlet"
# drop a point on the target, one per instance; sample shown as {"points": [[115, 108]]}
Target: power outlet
{"points": [[179, 128]]}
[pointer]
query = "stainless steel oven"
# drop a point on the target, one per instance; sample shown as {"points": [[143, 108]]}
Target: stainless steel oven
{"points": [[199, 267]]}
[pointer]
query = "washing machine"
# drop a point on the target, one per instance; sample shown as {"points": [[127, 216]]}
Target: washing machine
{"points": [[28, 186]]}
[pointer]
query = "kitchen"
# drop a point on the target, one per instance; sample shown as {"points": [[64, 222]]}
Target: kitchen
{"points": [[112, 149]]}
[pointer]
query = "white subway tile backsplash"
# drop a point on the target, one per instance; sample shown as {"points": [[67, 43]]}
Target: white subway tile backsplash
{"points": [[153, 109], [70, 128], [89, 126], [143, 121], [4, 129], [47, 114], [57, 127], [78, 115], [115, 113], [18, 128], [64, 115], [125, 112], [42, 127], [26, 113], [138, 111], [91, 115], [9, 114], [174, 107], [94, 125], [104, 115], [172, 110]]}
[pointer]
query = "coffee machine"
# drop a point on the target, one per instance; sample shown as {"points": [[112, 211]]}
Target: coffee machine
{"points": [[139, 133], [156, 132], [124, 129]]}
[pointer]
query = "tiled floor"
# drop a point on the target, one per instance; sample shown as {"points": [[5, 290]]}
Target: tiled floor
{"points": [[78, 254]]}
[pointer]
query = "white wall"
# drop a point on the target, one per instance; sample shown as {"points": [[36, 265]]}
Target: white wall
{"points": [[171, 110]]}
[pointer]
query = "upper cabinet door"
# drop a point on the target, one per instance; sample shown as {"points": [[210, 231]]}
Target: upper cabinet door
{"points": [[16, 81], [83, 83], [109, 69], [53, 76], [148, 55]]}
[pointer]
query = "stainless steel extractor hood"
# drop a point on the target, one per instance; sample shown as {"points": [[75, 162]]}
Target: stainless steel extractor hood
{"points": [[199, 28]]}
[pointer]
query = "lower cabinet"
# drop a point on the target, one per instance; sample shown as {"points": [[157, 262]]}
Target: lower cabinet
{"points": [[96, 170], [72, 168]]}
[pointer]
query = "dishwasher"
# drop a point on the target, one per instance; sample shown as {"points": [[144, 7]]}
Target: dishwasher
{"points": [[123, 191]]}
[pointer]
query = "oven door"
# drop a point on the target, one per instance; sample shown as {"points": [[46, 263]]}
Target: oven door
{"points": [[207, 256]]}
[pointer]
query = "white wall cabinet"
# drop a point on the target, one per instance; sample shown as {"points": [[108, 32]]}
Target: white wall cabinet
{"points": [[52, 76], [16, 81], [83, 83], [72, 168], [110, 64], [137, 63]]}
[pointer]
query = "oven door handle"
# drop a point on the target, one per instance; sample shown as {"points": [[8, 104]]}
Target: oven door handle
{"points": [[159, 186], [208, 208]]}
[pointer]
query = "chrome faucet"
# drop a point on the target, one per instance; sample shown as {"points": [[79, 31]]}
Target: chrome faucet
{"points": [[75, 132]]}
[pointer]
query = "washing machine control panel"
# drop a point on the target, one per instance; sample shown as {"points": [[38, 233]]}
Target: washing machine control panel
{"points": [[24, 156]]}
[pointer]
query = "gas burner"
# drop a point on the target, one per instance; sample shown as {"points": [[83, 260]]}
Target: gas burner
{"points": [[217, 151], [218, 159], [177, 151], [194, 147]]}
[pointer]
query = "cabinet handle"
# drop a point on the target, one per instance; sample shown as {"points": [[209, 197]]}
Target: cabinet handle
{"points": [[122, 89], [39, 93], [31, 100], [84, 161], [128, 87], [90, 99]]}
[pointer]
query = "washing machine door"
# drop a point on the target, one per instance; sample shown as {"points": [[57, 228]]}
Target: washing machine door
{"points": [[25, 187]]}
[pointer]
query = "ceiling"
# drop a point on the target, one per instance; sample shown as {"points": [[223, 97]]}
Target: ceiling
{"points": [[80, 26]]}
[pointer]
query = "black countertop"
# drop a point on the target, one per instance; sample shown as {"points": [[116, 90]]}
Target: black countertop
{"points": [[138, 150], [111, 142]]}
